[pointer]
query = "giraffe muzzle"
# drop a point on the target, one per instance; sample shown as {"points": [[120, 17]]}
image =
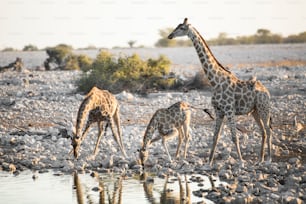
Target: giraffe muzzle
{"points": [[170, 36]]}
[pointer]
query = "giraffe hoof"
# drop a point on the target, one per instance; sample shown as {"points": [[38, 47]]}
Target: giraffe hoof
{"points": [[241, 164], [91, 158], [206, 167]]}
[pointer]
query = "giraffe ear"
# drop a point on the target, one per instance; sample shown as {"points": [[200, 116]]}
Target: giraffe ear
{"points": [[185, 21]]}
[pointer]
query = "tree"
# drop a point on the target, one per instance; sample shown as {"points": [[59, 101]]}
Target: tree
{"points": [[300, 38], [30, 47], [131, 43], [9, 49], [264, 36], [263, 32]]}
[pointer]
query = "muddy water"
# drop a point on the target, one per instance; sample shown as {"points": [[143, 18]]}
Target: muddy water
{"points": [[50, 187]]}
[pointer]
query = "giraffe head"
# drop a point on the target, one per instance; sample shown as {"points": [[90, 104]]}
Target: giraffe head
{"points": [[143, 156], [181, 30], [75, 141], [76, 144]]}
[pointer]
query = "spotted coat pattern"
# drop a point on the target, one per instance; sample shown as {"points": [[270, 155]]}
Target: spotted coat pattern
{"points": [[231, 96], [99, 106]]}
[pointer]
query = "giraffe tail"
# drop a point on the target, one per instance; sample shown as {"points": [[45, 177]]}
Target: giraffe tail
{"points": [[209, 113], [270, 123]]}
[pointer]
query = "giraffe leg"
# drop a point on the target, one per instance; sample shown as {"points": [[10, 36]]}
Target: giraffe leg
{"points": [[235, 138], [186, 137], [100, 133], [263, 124], [173, 133], [116, 136], [88, 125], [180, 139], [218, 128], [118, 124], [268, 132]]}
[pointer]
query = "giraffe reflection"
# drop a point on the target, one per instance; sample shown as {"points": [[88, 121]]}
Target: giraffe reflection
{"points": [[105, 195], [78, 188], [167, 195]]}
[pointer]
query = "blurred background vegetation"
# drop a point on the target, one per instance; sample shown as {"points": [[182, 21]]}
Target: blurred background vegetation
{"points": [[62, 57], [262, 36], [129, 73], [133, 74], [106, 71]]}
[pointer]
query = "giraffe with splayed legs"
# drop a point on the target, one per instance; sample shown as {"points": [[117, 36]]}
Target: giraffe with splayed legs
{"points": [[170, 122], [231, 96], [99, 106]]}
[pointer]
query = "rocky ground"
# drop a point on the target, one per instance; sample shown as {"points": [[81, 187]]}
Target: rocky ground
{"points": [[37, 110]]}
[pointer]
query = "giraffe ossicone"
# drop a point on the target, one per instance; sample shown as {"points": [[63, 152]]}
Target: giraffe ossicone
{"points": [[231, 96]]}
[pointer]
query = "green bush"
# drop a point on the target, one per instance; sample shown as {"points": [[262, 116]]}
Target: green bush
{"points": [[84, 62], [59, 53], [8, 49], [62, 57], [199, 81], [30, 47], [127, 73]]}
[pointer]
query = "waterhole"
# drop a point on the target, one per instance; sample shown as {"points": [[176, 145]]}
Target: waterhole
{"points": [[31, 187]]}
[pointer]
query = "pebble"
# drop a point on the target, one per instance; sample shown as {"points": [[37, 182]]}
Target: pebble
{"points": [[42, 145]]}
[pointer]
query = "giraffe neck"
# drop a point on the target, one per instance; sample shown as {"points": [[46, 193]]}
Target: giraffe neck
{"points": [[214, 71], [149, 132], [82, 115]]}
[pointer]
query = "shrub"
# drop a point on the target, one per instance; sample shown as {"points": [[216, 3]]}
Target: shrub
{"points": [[84, 62], [57, 56], [9, 49], [127, 73], [199, 81], [61, 57], [30, 47]]}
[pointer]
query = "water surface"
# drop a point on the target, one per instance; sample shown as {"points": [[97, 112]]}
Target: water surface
{"points": [[50, 187]]}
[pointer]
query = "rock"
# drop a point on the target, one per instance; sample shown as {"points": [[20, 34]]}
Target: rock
{"points": [[124, 96], [7, 101], [97, 189], [228, 200], [275, 196], [293, 200], [34, 176], [241, 189], [94, 174], [293, 180], [294, 161], [225, 174]]}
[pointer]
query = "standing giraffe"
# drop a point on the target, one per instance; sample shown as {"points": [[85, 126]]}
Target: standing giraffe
{"points": [[98, 106], [231, 96], [170, 122]]}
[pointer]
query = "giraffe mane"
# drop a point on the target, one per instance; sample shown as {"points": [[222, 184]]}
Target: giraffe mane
{"points": [[198, 33]]}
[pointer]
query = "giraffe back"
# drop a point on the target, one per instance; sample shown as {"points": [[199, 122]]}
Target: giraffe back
{"points": [[165, 119], [97, 105]]}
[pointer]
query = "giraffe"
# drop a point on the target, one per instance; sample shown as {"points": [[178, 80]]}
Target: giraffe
{"points": [[98, 106], [183, 196], [170, 122], [231, 96]]}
